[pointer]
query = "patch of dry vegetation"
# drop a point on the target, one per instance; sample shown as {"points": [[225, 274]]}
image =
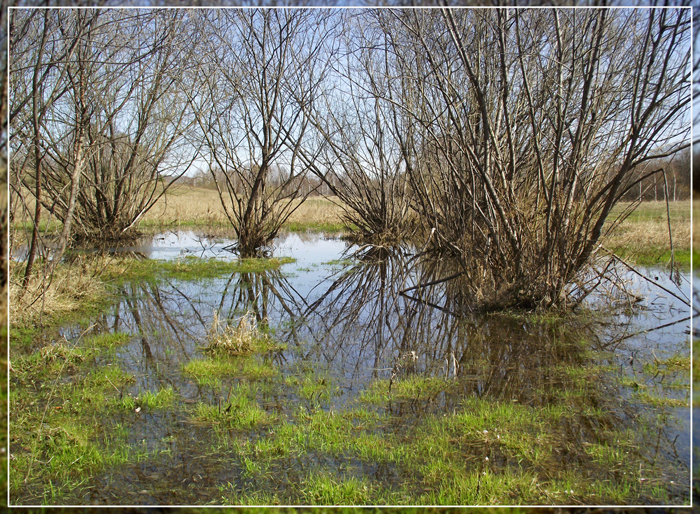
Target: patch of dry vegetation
{"points": [[68, 289], [643, 237], [241, 338], [320, 212], [640, 236], [187, 205]]}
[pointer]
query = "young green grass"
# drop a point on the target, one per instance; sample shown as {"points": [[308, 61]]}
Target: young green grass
{"points": [[411, 387], [312, 385], [322, 488], [239, 411], [160, 399], [209, 368], [189, 268], [108, 340]]}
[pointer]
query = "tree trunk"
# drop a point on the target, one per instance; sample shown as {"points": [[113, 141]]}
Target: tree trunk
{"points": [[38, 157]]}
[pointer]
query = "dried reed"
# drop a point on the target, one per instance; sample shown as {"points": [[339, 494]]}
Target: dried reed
{"points": [[67, 289], [240, 339]]}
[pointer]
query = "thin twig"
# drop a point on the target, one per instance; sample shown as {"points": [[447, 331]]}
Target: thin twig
{"points": [[631, 268]]}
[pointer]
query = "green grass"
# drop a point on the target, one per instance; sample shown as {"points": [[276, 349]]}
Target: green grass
{"points": [[24, 336], [654, 255], [412, 387], [323, 488], [190, 268], [56, 431], [238, 411], [164, 397], [314, 226], [44, 226], [454, 459], [312, 386], [108, 340], [209, 371], [211, 368]]}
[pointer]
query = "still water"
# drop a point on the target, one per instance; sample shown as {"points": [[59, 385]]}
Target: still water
{"points": [[356, 317]]}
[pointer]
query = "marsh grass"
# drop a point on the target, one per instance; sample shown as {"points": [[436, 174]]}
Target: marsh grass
{"points": [[239, 411], [189, 268], [643, 237], [207, 370], [160, 399], [107, 340], [56, 422], [72, 288], [482, 452], [412, 387], [187, 206], [323, 488], [487, 453], [238, 338]]}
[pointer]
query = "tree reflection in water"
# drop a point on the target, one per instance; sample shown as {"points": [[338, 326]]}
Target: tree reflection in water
{"points": [[382, 317]]}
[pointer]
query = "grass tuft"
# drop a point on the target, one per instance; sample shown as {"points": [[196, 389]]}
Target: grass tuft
{"points": [[240, 338]]}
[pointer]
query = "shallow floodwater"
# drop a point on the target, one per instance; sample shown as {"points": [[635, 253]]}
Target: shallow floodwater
{"points": [[356, 318]]}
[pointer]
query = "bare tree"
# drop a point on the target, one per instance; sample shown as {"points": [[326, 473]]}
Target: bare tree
{"points": [[364, 138], [135, 120], [37, 80], [263, 71], [116, 125], [537, 121]]}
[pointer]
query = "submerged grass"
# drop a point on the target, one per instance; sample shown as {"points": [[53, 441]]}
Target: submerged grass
{"points": [[189, 268], [238, 411], [160, 399], [313, 450], [483, 454]]}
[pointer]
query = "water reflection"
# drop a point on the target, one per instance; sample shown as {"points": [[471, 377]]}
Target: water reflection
{"points": [[362, 316]]}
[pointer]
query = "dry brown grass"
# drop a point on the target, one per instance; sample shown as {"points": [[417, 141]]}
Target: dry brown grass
{"points": [[640, 235], [190, 205], [70, 288], [240, 339], [186, 205], [643, 237], [319, 212]]}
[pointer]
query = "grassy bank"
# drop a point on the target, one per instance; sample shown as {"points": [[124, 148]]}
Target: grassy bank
{"points": [[83, 287], [643, 237], [186, 206]]}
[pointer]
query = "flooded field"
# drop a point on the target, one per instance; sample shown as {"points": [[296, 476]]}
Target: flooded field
{"points": [[366, 381]]}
